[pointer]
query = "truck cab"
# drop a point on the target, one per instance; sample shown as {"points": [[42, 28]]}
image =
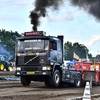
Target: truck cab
{"points": [[39, 58]]}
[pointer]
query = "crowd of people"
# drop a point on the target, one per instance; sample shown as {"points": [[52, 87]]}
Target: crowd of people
{"points": [[12, 64]]}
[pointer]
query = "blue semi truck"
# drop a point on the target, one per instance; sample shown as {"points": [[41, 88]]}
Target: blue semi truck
{"points": [[40, 58]]}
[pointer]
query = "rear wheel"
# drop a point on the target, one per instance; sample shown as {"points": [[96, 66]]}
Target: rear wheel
{"points": [[78, 81], [1, 66], [55, 79], [25, 81]]}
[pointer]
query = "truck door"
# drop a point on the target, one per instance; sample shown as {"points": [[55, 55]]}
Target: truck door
{"points": [[53, 51]]}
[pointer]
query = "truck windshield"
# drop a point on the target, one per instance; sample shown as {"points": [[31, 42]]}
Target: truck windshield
{"points": [[32, 44]]}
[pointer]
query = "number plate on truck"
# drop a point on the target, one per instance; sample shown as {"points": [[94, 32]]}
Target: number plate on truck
{"points": [[30, 72]]}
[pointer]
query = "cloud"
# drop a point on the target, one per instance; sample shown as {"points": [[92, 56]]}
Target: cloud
{"points": [[6, 17], [73, 11], [66, 2], [90, 42], [64, 15], [57, 18], [25, 3], [15, 4]]}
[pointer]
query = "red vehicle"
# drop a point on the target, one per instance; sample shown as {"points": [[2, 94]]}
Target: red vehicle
{"points": [[89, 70]]}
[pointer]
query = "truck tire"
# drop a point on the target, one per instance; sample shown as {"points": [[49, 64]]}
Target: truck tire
{"points": [[8, 67], [78, 81], [55, 79], [2, 66], [25, 81]]}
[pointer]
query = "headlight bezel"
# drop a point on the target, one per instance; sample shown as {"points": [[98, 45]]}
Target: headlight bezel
{"points": [[46, 68]]}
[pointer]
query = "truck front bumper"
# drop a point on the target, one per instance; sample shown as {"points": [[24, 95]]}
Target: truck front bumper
{"points": [[32, 73]]}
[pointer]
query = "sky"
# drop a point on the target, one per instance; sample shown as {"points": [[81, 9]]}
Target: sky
{"points": [[76, 24]]}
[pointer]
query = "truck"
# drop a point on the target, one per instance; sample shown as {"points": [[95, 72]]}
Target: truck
{"points": [[3, 63], [40, 58]]}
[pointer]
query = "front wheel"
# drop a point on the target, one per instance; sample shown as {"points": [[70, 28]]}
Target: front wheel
{"points": [[78, 81], [55, 79], [25, 81]]}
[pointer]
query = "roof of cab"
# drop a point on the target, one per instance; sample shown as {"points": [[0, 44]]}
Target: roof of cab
{"points": [[38, 37]]}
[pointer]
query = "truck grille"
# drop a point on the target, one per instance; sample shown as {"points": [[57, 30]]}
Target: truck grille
{"points": [[34, 61], [29, 68], [24, 60], [30, 60]]}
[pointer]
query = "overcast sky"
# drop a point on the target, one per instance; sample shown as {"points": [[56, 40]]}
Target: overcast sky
{"points": [[74, 23]]}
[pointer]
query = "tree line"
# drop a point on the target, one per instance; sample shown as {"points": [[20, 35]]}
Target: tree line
{"points": [[8, 40], [79, 49]]}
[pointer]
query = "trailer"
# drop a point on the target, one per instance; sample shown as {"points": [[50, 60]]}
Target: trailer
{"points": [[89, 70]]}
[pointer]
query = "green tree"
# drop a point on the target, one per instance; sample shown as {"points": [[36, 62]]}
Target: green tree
{"points": [[68, 51], [79, 49], [8, 40]]}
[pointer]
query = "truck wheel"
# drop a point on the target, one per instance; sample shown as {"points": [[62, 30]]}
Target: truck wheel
{"points": [[25, 81], [78, 81], [8, 67], [55, 79], [1, 66]]}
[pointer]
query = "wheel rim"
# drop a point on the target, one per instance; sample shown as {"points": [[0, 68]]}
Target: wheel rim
{"points": [[57, 78], [1, 66], [78, 81]]}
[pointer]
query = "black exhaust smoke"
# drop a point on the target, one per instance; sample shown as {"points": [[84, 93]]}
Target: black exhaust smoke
{"points": [[40, 10], [92, 6], [34, 20]]}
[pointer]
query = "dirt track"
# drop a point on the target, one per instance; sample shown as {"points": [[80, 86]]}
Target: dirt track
{"points": [[5, 73], [13, 90]]}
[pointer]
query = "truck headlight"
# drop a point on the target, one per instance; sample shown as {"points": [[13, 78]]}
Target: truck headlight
{"points": [[46, 68], [18, 68], [18, 54]]}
